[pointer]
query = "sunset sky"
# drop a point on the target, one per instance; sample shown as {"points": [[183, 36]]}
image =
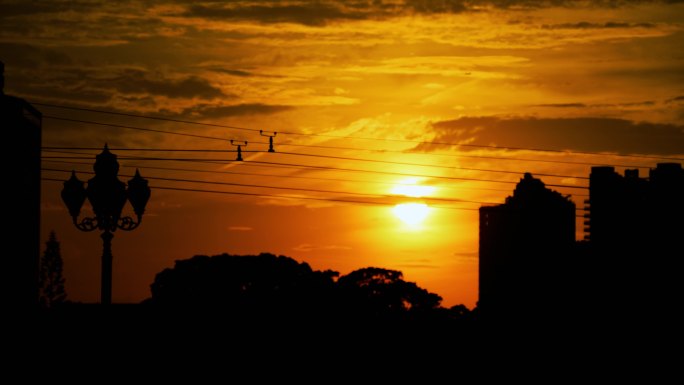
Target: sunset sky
{"points": [[400, 83]]}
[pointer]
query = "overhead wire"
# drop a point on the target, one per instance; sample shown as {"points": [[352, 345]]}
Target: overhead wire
{"points": [[318, 168], [338, 200], [284, 188], [364, 181], [395, 183], [328, 157], [270, 164], [512, 148], [349, 201], [410, 175], [327, 147]]}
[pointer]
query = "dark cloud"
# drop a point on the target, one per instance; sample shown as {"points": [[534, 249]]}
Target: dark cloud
{"points": [[646, 103], [514, 4], [319, 13], [306, 13], [24, 56], [239, 73], [73, 93], [37, 73], [563, 105], [44, 74], [206, 111], [676, 99], [588, 25], [25, 8], [87, 23], [137, 82], [313, 13], [436, 6], [579, 134]]}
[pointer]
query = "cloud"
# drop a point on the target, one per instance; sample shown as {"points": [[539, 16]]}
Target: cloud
{"points": [[417, 266], [646, 103], [25, 56], [321, 13], [472, 256], [562, 105], [589, 25], [579, 134], [240, 228], [137, 82], [42, 74], [218, 111], [445, 66], [60, 23], [239, 73], [313, 14], [15, 8], [307, 247]]}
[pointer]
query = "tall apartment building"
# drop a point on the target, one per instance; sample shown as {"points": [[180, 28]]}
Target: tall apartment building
{"points": [[635, 228], [21, 127], [525, 247]]}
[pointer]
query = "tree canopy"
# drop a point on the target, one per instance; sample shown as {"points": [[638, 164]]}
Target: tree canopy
{"points": [[279, 285]]}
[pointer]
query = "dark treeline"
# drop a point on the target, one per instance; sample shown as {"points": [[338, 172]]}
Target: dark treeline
{"points": [[279, 288]]}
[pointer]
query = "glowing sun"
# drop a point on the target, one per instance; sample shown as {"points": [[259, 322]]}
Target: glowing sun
{"points": [[413, 214]]}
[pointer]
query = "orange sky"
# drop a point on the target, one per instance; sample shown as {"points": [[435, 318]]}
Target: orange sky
{"points": [[603, 76]]}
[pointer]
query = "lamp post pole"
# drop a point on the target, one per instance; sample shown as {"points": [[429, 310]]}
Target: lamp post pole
{"points": [[106, 285], [107, 196]]}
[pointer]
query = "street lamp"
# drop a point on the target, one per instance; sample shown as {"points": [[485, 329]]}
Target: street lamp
{"points": [[107, 196]]}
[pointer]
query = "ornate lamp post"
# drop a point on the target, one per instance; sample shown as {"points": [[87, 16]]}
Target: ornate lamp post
{"points": [[107, 196]]}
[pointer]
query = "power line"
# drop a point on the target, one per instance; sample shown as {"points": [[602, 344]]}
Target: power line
{"points": [[287, 176], [285, 188], [145, 117], [135, 128], [350, 148], [329, 157], [410, 175], [428, 165], [141, 149], [219, 161], [214, 162], [343, 136], [317, 168], [285, 196], [491, 157], [261, 195]]}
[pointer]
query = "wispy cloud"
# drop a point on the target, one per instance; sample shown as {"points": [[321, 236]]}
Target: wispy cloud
{"points": [[605, 25], [240, 228], [676, 99], [321, 13], [583, 134], [308, 247]]}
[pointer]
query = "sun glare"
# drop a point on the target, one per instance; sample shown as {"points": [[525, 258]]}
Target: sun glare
{"points": [[413, 214], [409, 188]]}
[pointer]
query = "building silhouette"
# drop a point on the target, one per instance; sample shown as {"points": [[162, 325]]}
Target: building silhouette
{"points": [[634, 230], [625, 271], [526, 246], [21, 127]]}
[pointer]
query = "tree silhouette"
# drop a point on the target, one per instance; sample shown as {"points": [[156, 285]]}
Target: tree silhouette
{"points": [[244, 285], [377, 292], [51, 281], [278, 288]]}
